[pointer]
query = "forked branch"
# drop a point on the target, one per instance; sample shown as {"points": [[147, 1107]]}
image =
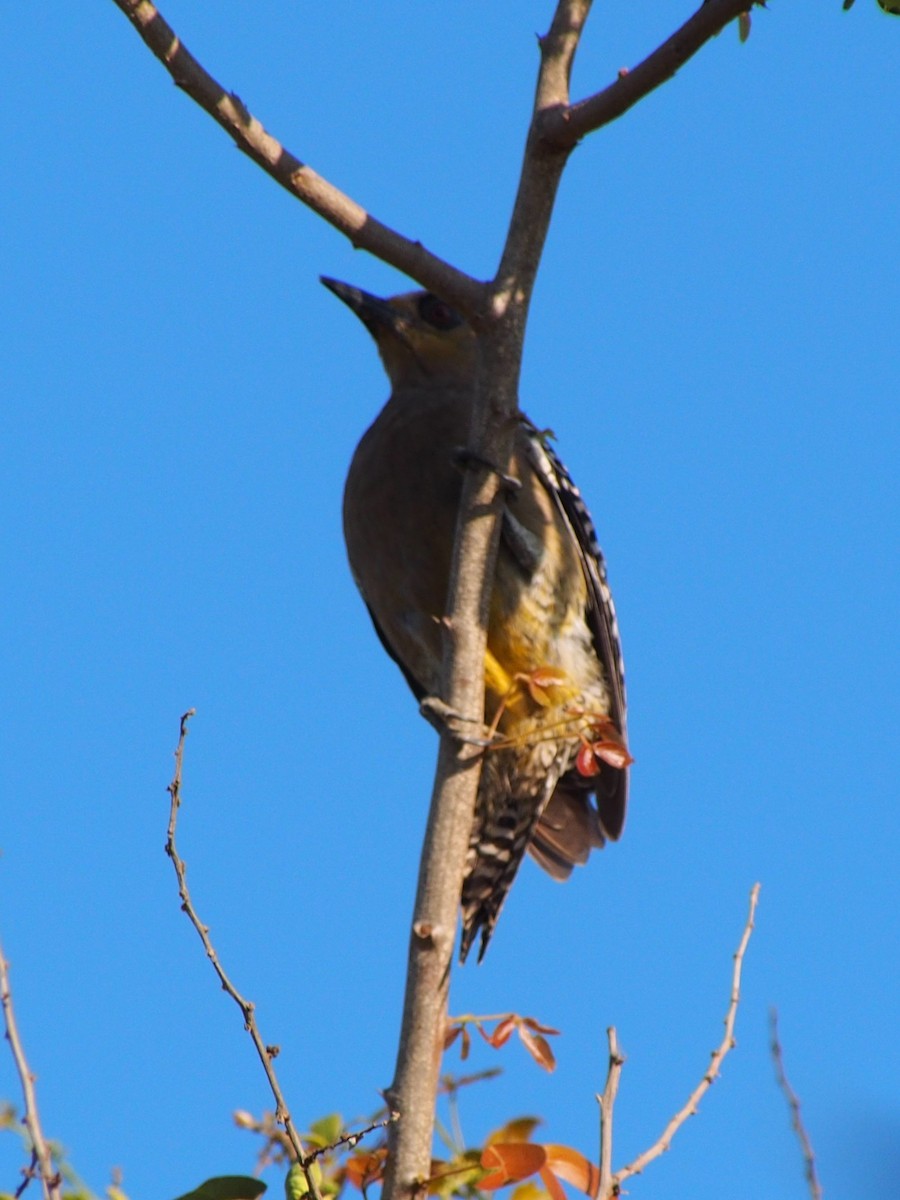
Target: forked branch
{"points": [[718, 1057], [266, 1052], [41, 1160]]}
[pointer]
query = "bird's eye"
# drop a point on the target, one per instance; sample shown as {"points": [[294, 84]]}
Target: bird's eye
{"points": [[438, 313]]}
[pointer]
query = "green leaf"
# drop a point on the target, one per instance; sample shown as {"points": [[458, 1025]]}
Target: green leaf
{"points": [[327, 1131], [890, 6], [227, 1187], [295, 1185]]}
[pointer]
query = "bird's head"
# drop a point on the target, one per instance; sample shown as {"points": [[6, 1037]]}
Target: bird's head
{"points": [[422, 340]]}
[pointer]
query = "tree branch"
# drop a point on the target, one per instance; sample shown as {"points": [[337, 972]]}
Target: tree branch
{"points": [[266, 1053], [348, 217], [50, 1178], [498, 312], [565, 125], [501, 332], [809, 1157], [718, 1056], [607, 1102]]}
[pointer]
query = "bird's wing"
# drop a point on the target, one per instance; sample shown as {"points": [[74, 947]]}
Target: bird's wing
{"points": [[601, 612], [417, 688]]}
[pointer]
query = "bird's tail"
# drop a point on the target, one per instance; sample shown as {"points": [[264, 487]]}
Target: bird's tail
{"points": [[504, 825]]}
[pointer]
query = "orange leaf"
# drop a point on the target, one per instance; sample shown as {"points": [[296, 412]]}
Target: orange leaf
{"points": [[574, 1168], [538, 1047], [552, 1184], [519, 1129], [540, 680], [508, 1162], [365, 1168]]}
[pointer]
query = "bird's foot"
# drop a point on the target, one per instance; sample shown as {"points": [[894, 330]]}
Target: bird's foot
{"points": [[468, 460], [445, 719]]}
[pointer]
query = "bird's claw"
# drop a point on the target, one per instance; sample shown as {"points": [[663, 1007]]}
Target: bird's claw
{"points": [[469, 460], [445, 719]]}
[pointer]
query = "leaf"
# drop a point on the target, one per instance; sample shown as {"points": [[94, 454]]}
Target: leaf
{"points": [[295, 1185], [466, 1044], [890, 6], [227, 1187], [552, 1184], [586, 762], [574, 1168], [615, 755], [848, 4], [366, 1167], [743, 26], [326, 1131], [508, 1162], [502, 1032], [541, 680], [538, 1047], [529, 1190], [518, 1130], [451, 1033], [538, 1027], [456, 1177]]}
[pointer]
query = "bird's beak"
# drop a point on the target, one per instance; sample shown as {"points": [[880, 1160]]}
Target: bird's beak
{"points": [[376, 314]]}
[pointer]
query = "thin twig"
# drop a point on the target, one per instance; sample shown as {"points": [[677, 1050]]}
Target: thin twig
{"points": [[348, 217], [567, 124], [352, 1140], [607, 1102], [809, 1157], [41, 1159], [266, 1052], [662, 1144]]}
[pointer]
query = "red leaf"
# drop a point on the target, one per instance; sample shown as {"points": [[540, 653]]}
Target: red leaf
{"points": [[586, 763], [537, 1026], [502, 1032], [451, 1033], [466, 1045], [538, 1047], [615, 754]]}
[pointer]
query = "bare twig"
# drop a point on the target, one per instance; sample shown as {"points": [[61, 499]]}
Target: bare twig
{"points": [[607, 1102], [352, 1140], [566, 124], [662, 1144], [41, 1159], [809, 1157], [266, 1052], [348, 217]]}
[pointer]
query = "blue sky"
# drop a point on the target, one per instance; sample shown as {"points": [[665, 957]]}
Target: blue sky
{"points": [[714, 341]]}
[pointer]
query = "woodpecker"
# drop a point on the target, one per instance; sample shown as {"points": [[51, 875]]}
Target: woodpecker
{"points": [[555, 769]]}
